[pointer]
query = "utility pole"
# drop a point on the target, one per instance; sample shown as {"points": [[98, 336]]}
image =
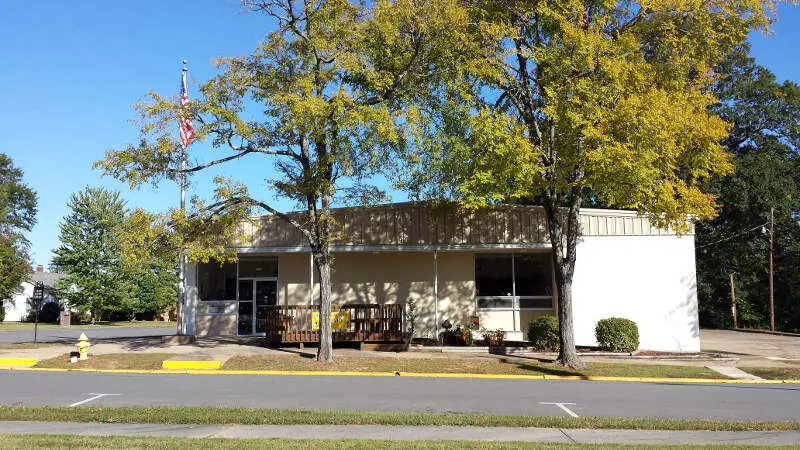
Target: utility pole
{"points": [[771, 270], [733, 305]]}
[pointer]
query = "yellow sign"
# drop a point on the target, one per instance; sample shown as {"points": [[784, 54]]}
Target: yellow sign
{"points": [[340, 320]]}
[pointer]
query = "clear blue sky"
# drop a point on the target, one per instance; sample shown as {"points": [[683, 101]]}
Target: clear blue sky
{"points": [[71, 72]]}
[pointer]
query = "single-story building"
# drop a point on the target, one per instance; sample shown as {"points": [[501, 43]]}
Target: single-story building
{"points": [[491, 265], [17, 307]]}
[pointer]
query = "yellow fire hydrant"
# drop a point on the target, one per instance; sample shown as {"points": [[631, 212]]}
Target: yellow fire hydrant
{"points": [[83, 346]]}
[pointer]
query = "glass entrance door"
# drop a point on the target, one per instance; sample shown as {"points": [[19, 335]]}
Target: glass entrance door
{"points": [[266, 295], [254, 296]]}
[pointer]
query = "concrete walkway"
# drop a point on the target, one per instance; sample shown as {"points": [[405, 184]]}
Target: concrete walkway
{"points": [[414, 433]]}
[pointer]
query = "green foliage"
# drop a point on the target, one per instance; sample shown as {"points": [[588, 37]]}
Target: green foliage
{"points": [[90, 253], [617, 334], [543, 333], [764, 138], [455, 336], [411, 317], [17, 215], [17, 200]]}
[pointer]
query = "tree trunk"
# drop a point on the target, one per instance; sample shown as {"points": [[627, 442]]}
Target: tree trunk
{"points": [[564, 229], [568, 355], [322, 261]]}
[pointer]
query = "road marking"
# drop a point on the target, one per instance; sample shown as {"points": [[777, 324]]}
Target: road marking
{"points": [[94, 397], [561, 405]]}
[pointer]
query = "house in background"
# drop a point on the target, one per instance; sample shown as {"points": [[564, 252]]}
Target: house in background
{"points": [[17, 307], [491, 266]]}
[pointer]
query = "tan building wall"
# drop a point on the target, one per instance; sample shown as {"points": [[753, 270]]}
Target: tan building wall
{"points": [[216, 325], [294, 273], [456, 289]]}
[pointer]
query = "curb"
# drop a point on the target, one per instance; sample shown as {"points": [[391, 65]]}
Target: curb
{"points": [[409, 374], [192, 365], [17, 361]]}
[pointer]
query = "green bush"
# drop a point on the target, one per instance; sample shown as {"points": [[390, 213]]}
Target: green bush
{"points": [[543, 333], [2, 311], [617, 334], [49, 313]]}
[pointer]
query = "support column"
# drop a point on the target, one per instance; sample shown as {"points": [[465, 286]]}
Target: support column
{"points": [[436, 291]]}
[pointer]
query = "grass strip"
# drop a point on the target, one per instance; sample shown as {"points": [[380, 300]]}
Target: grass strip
{"points": [[115, 442], [474, 365], [774, 373], [30, 345], [254, 416], [113, 361]]}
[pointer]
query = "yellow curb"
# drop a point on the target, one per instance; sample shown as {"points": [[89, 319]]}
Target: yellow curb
{"points": [[17, 361], [191, 365], [195, 371]]}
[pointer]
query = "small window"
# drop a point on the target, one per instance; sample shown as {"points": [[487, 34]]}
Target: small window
{"points": [[536, 303], [495, 303], [216, 282]]}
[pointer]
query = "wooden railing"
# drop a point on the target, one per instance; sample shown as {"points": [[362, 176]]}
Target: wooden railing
{"points": [[368, 323]]}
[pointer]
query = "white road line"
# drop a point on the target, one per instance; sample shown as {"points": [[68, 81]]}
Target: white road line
{"points": [[561, 405], [94, 397]]}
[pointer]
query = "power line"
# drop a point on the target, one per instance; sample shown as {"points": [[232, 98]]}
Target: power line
{"points": [[733, 236]]}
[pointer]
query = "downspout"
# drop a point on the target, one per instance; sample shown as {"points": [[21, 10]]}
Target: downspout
{"points": [[436, 291]]}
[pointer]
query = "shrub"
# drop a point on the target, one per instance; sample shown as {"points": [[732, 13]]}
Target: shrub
{"points": [[2, 311], [543, 333], [458, 336], [617, 334], [494, 338], [50, 312]]}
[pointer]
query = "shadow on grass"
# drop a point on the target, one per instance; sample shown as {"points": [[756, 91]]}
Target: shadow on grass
{"points": [[538, 368]]}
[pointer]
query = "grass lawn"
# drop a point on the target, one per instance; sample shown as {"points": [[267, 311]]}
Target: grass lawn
{"points": [[13, 326], [506, 366], [142, 361], [115, 442], [255, 416], [774, 373]]}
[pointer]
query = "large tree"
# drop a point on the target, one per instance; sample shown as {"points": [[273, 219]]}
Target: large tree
{"points": [[17, 216], [327, 89], [90, 253], [588, 99], [764, 137]]}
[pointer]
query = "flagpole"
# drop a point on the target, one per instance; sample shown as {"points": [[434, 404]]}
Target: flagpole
{"points": [[181, 256]]}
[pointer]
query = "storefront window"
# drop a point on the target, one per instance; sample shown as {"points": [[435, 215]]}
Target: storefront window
{"points": [[493, 276], [216, 282], [533, 275], [514, 281]]}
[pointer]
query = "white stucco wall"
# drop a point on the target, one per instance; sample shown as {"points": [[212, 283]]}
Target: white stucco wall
{"points": [[648, 279], [17, 307]]}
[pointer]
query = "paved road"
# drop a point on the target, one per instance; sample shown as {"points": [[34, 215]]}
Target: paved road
{"points": [[612, 399], [71, 334]]}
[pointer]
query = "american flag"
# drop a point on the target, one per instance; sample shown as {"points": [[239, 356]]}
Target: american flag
{"points": [[186, 126]]}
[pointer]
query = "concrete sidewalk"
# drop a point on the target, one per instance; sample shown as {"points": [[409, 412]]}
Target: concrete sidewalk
{"points": [[414, 433]]}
